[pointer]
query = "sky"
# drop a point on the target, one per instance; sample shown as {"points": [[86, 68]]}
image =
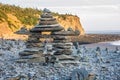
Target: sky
{"points": [[95, 15]]}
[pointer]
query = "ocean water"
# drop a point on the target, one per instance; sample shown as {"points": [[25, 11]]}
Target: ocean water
{"points": [[116, 43]]}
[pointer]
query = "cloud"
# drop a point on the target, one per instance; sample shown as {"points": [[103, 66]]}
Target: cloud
{"points": [[88, 10], [60, 3], [94, 14]]}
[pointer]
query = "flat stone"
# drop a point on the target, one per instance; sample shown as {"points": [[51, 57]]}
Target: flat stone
{"points": [[32, 56], [34, 49], [35, 44], [64, 57], [25, 53], [21, 60], [65, 33], [37, 60], [14, 78], [69, 62], [63, 51], [49, 22], [37, 55], [48, 19], [58, 65], [62, 47], [46, 16], [64, 44], [60, 41], [20, 77], [59, 38], [33, 41], [39, 29]]}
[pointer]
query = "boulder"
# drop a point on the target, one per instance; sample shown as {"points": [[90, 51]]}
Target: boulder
{"points": [[79, 74]]}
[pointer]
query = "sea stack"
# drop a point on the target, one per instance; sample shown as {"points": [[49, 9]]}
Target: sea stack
{"points": [[48, 42]]}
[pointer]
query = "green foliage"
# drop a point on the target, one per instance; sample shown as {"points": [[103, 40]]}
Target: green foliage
{"points": [[27, 16]]}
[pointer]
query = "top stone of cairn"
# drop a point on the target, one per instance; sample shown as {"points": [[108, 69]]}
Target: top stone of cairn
{"points": [[45, 10]]}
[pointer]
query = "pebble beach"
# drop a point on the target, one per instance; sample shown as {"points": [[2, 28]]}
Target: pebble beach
{"points": [[105, 64]]}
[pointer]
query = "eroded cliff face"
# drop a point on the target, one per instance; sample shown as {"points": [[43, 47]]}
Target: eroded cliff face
{"points": [[7, 31], [71, 21]]}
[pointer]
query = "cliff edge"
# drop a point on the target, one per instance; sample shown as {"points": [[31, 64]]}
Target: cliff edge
{"points": [[12, 18]]}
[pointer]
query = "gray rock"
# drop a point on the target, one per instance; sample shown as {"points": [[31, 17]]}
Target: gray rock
{"points": [[23, 30], [1, 54], [37, 60], [58, 65], [79, 74], [91, 76], [65, 33], [46, 10], [25, 53], [21, 60], [63, 51], [69, 29], [63, 47], [65, 57], [59, 38]]}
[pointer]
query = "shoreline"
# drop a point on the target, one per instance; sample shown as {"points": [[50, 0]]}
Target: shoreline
{"points": [[82, 39], [102, 45], [95, 38]]}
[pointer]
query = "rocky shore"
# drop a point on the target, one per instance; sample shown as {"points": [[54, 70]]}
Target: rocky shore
{"points": [[94, 38], [102, 63]]}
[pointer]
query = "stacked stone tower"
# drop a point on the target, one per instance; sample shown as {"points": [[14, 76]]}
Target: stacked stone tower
{"points": [[61, 47]]}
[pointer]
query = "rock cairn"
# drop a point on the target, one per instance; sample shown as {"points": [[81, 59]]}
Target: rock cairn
{"points": [[48, 41]]}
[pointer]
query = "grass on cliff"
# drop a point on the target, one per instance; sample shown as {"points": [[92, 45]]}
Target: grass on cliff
{"points": [[27, 16]]}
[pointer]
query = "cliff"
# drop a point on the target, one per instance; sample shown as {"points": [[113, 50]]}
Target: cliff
{"points": [[71, 21], [12, 18]]}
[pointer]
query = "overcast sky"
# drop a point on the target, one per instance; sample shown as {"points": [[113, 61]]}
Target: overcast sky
{"points": [[95, 15]]}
